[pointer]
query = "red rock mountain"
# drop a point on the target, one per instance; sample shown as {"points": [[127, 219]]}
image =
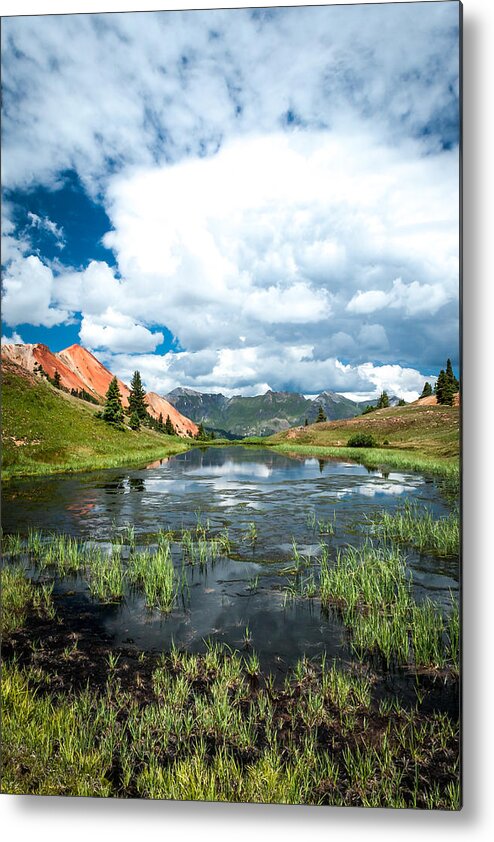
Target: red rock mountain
{"points": [[79, 369]]}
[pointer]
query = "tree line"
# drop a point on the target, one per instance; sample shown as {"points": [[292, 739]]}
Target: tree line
{"points": [[447, 385], [137, 410], [113, 411]]}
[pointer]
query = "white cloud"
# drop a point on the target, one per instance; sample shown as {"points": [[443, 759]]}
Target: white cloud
{"points": [[88, 90], [28, 293], [413, 298], [252, 371], [368, 302], [406, 383], [232, 238], [45, 224], [113, 331], [295, 304], [271, 181], [15, 339]]}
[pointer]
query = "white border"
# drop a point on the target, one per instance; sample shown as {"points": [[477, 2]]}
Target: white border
{"points": [[53, 819]]}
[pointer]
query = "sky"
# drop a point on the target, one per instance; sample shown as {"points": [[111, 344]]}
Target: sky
{"points": [[236, 200]]}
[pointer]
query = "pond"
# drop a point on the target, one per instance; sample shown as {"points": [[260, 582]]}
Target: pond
{"points": [[268, 503]]}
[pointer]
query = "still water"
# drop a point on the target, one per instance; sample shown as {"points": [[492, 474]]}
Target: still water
{"points": [[231, 488]]}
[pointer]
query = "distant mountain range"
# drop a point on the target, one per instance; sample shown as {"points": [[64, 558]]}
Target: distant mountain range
{"points": [[261, 415], [233, 418]]}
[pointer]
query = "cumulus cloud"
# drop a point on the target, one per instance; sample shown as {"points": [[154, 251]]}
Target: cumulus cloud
{"points": [[28, 294], [296, 303], [413, 298], [240, 233], [112, 330], [15, 339], [255, 370], [158, 86], [272, 181]]}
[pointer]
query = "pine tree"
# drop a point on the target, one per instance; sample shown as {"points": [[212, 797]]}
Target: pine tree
{"points": [[321, 415], [306, 423], [113, 410], [161, 426], [383, 401], [446, 385], [439, 388], [169, 428], [426, 391], [451, 377], [57, 382], [201, 433], [137, 403], [134, 422]]}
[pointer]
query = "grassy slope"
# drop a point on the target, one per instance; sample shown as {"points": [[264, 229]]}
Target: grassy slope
{"points": [[56, 432], [420, 437]]}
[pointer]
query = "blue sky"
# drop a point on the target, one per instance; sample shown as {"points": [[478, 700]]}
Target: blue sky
{"points": [[236, 200]]}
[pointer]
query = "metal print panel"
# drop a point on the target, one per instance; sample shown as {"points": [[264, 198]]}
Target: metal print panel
{"points": [[231, 405]]}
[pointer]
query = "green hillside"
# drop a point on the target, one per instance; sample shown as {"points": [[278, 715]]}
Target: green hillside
{"points": [[413, 436], [48, 431]]}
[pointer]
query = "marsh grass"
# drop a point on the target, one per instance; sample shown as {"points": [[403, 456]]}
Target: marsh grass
{"points": [[415, 526], [103, 568], [154, 574], [199, 546], [327, 527], [106, 579], [203, 734], [364, 576], [250, 534], [21, 597], [373, 591], [63, 554]]}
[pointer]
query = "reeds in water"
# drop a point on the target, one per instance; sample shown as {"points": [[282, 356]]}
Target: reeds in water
{"points": [[364, 576], [372, 588], [415, 526], [154, 574], [106, 580]]}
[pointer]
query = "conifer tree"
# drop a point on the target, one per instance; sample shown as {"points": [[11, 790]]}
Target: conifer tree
{"points": [[57, 380], [426, 391], [169, 428], [446, 385], [383, 401], [201, 433], [439, 388], [451, 377], [137, 403], [134, 422], [161, 426], [113, 410], [321, 415]]}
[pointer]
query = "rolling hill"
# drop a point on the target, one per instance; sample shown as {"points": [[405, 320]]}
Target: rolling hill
{"points": [[423, 427], [46, 430], [79, 369]]}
